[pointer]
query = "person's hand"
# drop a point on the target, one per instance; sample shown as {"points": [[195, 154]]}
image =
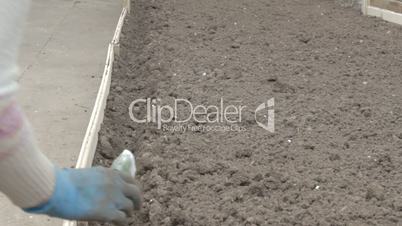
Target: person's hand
{"points": [[94, 194]]}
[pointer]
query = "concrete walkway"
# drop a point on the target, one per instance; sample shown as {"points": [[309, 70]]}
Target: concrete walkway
{"points": [[61, 62]]}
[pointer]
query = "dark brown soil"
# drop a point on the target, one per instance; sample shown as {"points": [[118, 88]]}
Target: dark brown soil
{"points": [[336, 155]]}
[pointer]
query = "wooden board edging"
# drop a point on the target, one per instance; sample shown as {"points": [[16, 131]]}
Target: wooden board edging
{"points": [[385, 14]]}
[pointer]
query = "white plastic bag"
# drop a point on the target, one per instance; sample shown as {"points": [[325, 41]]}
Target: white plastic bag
{"points": [[125, 163]]}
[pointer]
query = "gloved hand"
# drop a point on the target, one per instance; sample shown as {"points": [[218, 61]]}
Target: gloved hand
{"points": [[94, 194]]}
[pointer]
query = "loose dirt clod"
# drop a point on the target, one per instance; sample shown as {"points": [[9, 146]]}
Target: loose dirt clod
{"points": [[335, 156]]}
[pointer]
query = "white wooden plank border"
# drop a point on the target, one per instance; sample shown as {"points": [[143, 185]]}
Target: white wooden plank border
{"points": [[365, 4], [385, 14], [127, 5], [88, 147], [374, 11], [117, 33], [91, 137]]}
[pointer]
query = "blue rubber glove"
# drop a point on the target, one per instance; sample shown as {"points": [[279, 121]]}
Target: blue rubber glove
{"points": [[94, 194]]}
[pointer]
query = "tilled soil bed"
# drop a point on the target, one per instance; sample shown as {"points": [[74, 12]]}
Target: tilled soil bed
{"points": [[335, 156]]}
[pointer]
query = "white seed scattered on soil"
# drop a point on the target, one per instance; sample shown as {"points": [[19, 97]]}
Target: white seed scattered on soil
{"points": [[365, 83], [317, 187], [289, 141]]}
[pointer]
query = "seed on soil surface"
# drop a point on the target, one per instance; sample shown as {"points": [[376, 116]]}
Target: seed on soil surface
{"points": [[106, 149], [399, 134], [272, 79], [258, 177], [397, 205], [119, 88], [280, 87], [375, 191], [309, 147], [146, 163], [253, 221], [304, 40], [257, 190], [244, 153], [154, 212], [334, 157], [219, 73], [240, 179], [235, 46]]}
